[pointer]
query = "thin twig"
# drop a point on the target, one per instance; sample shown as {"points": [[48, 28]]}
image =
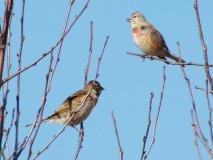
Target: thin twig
{"points": [[8, 132], [145, 138], [117, 136], [19, 83], [100, 58], [80, 141], [195, 136], [210, 111], [204, 47], [90, 53], [158, 113], [144, 56]]}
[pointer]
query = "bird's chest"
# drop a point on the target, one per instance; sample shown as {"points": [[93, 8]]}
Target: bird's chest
{"points": [[85, 110], [141, 39]]}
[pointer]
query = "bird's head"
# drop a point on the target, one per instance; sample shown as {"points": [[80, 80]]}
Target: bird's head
{"points": [[136, 18], [95, 86]]}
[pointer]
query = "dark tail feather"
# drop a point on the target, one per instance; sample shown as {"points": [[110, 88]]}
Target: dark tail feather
{"points": [[174, 57]]}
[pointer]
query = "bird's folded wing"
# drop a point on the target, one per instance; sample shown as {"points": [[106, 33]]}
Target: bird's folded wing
{"points": [[70, 104]]}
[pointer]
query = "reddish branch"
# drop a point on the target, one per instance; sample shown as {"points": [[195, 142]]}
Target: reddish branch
{"points": [[3, 41], [158, 113], [117, 136], [6, 90], [204, 47], [145, 138], [4, 33], [144, 56]]}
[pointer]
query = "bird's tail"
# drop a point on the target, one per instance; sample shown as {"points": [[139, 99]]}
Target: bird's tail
{"points": [[28, 125], [174, 57]]}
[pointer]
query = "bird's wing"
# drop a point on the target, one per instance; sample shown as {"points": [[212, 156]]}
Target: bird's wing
{"points": [[158, 39], [70, 104]]}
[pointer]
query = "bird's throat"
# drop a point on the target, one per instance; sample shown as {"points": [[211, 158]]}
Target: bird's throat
{"points": [[135, 30]]}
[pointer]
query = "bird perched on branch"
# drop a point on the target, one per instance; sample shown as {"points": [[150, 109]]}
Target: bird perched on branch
{"points": [[148, 39], [77, 107]]}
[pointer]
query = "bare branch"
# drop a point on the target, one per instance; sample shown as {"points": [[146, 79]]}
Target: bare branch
{"points": [[7, 131], [117, 136], [206, 66], [4, 34], [19, 82], [158, 113], [100, 58], [196, 135], [80, 141], [145, 138], [90, 53], [144, 56]]}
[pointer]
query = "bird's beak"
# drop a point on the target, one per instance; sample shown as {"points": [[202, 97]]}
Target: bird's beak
{"points": [[128, 19], [102, 88]]}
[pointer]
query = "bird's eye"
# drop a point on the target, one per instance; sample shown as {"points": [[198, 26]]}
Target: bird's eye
{"points": [[134, 16]]}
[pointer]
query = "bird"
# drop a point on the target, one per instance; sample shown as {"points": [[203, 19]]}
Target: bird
{"points": [[77, 107], [148, 39]]}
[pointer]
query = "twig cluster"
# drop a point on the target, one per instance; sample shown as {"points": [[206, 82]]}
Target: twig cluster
{"points": [[145, 153]]}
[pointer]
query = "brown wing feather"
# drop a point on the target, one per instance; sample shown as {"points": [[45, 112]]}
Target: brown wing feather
{"points": [[71, 101], [157, 39]]}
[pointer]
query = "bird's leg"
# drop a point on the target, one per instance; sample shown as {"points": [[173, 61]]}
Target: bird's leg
{"points": [[75, 128], [81, 132], [163, 59], [143, 56]]}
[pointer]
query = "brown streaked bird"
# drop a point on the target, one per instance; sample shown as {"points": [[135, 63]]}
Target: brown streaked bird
{"points": [[77, 107], [148, 39]]}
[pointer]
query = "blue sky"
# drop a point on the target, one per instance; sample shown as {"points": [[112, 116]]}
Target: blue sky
{"points": [[128, 80]]}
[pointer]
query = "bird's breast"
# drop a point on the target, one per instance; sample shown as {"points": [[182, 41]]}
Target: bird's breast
{"points": [[85, 110]]}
